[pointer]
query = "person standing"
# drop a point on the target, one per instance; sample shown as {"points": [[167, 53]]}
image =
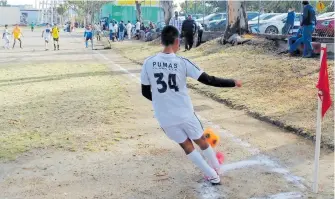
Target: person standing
{"points": [[111, 31], [116, 29], [17, 33], [121, 31], [55, 36], [200, 31], [129, 27], [46, 33], [88, 35], [32, 26], [308, 25], [5, 37], [189, 29], [289, 21], [138, 28], [176, 22]]}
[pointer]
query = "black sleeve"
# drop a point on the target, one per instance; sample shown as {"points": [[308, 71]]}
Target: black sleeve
{"points": [[215, 81], [146, 92]]}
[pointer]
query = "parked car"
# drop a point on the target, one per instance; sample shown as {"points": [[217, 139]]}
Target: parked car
{"points": [[220, 25], [325, 27], [326, 15], [207, 19], [273, 24]]}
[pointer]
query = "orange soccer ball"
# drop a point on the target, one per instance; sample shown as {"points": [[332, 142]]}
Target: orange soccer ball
{"points": [[212, 138]]}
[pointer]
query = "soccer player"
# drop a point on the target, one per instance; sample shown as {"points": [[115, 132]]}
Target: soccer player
{"points": [[5, 37], [32, 26], [163, 80], [55, 36], [17, 33], [88, 35], [46, 34]]}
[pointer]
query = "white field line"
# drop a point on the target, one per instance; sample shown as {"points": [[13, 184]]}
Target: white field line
{"points": [[207, 191]]}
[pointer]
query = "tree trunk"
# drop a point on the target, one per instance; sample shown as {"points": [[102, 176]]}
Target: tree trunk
{"points": [[168, 10], [138, 10], [237, 23]]}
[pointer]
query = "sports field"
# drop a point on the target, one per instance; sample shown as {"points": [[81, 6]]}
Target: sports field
{"points": [[74, 125]]}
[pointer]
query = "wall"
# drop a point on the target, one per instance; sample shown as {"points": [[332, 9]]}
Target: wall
{"points": [[9, 16]]}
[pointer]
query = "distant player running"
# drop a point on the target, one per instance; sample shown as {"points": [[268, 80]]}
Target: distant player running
{"points": [[17, 33], [46, 34], [55, 36], [5, 37], [88, 35], [163, 79]]}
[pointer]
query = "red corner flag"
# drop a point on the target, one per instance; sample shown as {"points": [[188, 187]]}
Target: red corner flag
{"points": [[323, 83]]}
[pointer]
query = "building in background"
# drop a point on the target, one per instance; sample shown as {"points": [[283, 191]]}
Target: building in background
{"points": [[126, 10], [9, 16]]}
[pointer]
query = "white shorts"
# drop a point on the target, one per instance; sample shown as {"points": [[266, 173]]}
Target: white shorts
{"points": [[190, 129]]}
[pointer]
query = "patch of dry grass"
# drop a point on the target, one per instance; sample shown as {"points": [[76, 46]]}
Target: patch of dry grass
{"points": [[277, 88], [62, 105]]}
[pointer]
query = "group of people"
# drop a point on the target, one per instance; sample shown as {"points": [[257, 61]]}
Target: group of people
{"points": [[117, 31], [187, 29], [304, 35], [47, 33]]}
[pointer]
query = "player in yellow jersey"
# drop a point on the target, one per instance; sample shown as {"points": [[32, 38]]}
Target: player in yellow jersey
{"points": [[55, 36], [17, 33]]}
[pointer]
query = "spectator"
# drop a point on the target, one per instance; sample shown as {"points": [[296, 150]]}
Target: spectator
{"points": [[308, 25], [111, 23], [129, 27], [289, 21], [116, 30], [142, 26], [111, 32], [138, 28], [200, 31], [121, 31], [189, 29], [151, 26], [294, 38], [176, 22]]}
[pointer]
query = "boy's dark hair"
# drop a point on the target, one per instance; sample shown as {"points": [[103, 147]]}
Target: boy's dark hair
{"points": [[169, 35]]}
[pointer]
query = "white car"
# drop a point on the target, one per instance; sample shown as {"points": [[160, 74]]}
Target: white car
{"points": [[206, 20], [325, 15], [273, 25]]}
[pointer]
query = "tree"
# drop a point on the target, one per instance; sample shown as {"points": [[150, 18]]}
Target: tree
{"points": [[138, 10], [237, 23], [168, 10]]}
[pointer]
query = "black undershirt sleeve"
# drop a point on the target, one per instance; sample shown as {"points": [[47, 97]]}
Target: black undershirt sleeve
{"points": [[146, 92], [215, 81]]}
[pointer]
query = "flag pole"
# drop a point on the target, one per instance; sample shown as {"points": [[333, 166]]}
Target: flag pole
{"points": [[318, 134]]}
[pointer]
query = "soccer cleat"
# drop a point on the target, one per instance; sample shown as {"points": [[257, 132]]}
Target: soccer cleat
{"points": [[214, 180]]}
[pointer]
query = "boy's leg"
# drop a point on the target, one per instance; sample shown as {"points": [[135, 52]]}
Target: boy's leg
{"points": [[86, 43], [208, 152], [14, 43], [54, 43], [198, 160], [20, 42], [194, 131], [177, 134]]}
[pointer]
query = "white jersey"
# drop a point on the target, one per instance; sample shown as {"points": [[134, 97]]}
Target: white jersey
{"points": [[167, 73], [138, 25], [6, 34], [47, 33]]}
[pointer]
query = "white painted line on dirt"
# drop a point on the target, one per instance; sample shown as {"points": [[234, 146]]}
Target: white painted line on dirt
{"points": [[209, 191], [286, 195]]}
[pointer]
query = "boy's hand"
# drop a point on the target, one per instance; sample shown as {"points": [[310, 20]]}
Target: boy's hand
{"points": [[238, 83]]}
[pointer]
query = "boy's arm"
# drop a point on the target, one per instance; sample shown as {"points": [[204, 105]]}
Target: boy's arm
{"points": [[146, 87], [146, 92], [218, 82], [195, 72], [42, 33]]}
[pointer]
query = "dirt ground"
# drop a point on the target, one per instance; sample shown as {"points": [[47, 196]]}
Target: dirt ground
{"points": [[277, 89], [74, 125]]}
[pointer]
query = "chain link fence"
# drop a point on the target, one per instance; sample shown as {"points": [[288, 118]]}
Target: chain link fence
{"points": [[264, 17]]}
